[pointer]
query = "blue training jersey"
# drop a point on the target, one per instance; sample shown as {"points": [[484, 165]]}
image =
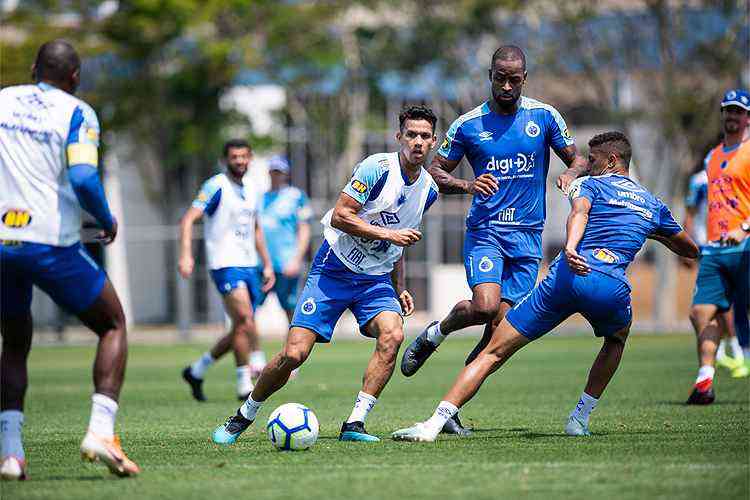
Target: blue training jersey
{"points": [[697, 198], [623, 214], [281, 214], [515, 149]]}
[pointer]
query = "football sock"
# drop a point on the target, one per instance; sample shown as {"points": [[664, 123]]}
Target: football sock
{"points": [[244, 382], [705, 378], [722, 350], [585, 406], [103, 413], [198, 369], [362, 407], [434, 335], [444, 412], [257, 360], [250, 408], [737, 353], [11, 424]]}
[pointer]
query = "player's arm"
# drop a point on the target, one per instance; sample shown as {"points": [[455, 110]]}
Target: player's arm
{"points": [[440, 169], [398, 278], [186, 263], [269, 278], [577, 166], [680, 243], [345, 218], [576, 226]]}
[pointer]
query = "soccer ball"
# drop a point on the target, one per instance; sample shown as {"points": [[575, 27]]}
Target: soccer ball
{"points": [[292, 426]]}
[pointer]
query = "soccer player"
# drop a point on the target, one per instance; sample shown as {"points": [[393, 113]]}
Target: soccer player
{"points": [[610, 220], [48, 170], [506, 140], [238, 260], [696, 203], [724, 269], [359, 267], [285, 215]]}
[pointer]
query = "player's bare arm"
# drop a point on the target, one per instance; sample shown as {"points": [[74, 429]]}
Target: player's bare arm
{"points": [[681, 244], [269, 278], [345, 218], [186, 263], [398, 278], [577, 166], [576, 225], [440, 169]]}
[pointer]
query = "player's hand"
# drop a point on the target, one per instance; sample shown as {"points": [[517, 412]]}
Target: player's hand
{"points": [[292, 268], [404, 237], [485, 184], [564, 181], [576, 263], [105, 237], [185, 266], [735, 237], [269, 279], [407, 302]]}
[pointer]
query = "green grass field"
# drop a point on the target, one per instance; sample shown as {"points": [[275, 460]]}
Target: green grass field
{"points": [[647, 444]]}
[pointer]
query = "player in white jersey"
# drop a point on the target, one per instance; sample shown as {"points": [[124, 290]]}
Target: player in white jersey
{"points": [[48, 170], [359, 267], [238, 260]]}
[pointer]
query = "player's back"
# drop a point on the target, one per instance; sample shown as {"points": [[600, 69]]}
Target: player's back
{"points": [[37, 123]]}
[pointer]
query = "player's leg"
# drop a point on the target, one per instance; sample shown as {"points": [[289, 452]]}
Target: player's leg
{"points": [[244, 338], [194, 373], [741, 297], [734, 362], [287, 288]]}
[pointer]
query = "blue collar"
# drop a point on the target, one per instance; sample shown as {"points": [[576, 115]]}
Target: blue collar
{"points": [[45, 86], [730, 148]]}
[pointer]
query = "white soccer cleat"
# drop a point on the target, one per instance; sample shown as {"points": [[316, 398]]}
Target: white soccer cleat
{"points": [[418, 433], [98, 449], [576, 428], [13, 469]]}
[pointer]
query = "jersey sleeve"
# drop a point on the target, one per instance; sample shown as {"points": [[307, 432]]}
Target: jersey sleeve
{"points": [[367, 181], [208, 197], [82, 144], [304, 210], [432, 197], [667, 225], [453, 147], [558, 134], [697, 191], [582, 187]]}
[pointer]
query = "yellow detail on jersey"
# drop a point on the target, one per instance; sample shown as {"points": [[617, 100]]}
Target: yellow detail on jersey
{"points": [[445, 144], [16, 218], [605, 255], [92, 134], [202, 197], [358, 186], [83, 154]]}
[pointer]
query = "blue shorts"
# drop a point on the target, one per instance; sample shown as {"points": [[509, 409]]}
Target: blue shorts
{"points": [[510, 259], [286, 291], [67, 274], [227, 279], [724, 278], [331, 288], [602, 299]]}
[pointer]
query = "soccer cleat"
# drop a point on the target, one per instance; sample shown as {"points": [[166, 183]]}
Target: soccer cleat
{"points": [[454, 426], [99, 449], [355, 431], [417, 353], [698, 397], [229, 431], [727, 362], [418, 433], [575, 427], [196, 384], [13, 469], [740, 371]]}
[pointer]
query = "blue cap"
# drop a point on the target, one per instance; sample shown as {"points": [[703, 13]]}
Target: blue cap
{"points": [[736, 97], [278, 162]]}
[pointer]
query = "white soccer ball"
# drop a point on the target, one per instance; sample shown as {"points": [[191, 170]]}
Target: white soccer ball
{"points": [[292, 426]]}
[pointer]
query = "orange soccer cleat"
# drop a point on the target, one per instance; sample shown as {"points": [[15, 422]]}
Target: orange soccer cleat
{"points": [[96, 448]]}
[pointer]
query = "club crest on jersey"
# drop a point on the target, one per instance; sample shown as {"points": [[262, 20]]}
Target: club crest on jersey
{"points": [[359, 186], [485, 136], [605, 255], [485, 264], [309, 306], [16, 218], [532, 129], [389, 218]]}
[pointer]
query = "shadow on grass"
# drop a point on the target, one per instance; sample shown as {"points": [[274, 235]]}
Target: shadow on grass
{"points": [[720, 402], [78, 478]]}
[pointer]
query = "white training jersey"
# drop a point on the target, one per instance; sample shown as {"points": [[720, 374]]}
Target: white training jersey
{"points": [[43, 131], [231, 211], [379, 184]]}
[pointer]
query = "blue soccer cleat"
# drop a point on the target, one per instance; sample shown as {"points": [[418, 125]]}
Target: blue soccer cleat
{"points": [[229, 431], [355, 431]]}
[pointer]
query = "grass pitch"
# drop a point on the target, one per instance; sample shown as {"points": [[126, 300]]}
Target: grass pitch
{"points": [[647, 444]]}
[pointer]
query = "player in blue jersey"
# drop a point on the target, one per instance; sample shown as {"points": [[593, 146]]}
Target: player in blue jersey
{"points": [[359, 267], [49, 170], [507, 142], [610, 220]]}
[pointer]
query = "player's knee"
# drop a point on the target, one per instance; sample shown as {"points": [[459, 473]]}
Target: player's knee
{"points": [[293, 356], [244, 323], [485, 311], [390, 339]]}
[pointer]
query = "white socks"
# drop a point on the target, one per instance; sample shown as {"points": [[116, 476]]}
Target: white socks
{"points": [[362, 407], [257, 360], [444, 412], [434, 335], [11, 424], [583, 409], [198, 369], [244, 382], [103, 413], [705, 372], [250, 408], [737, 353]]}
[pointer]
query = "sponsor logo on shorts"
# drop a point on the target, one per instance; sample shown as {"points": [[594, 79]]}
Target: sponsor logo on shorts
{"points": [[532, 129], [16, 218], [605, 255], [359, 186], [308, 306], [485, 264]]}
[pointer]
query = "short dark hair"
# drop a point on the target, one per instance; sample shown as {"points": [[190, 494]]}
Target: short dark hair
{"points": [[508, 53], [56, 61], [234, 144], [416, 113], [614, 142]]}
